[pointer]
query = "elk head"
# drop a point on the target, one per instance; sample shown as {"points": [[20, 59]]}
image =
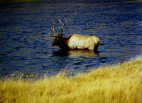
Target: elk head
{"points": [[58, 39]]}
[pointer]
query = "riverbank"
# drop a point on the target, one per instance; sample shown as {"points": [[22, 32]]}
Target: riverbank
{"points": [[121, 83]]}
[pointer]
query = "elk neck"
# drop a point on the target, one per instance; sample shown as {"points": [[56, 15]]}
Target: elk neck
{"points": [[63, 42]]}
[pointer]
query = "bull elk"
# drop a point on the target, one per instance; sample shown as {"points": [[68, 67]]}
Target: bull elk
{"points": [[75, 41]]}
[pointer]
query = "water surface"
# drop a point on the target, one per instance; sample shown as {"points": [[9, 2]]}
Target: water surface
{"points": [[25, 46]]}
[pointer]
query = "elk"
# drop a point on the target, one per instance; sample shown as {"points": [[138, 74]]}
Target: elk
{"points": [[75, 41]]}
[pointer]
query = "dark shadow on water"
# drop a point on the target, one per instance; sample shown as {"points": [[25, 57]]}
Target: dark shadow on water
{"points": [[75, 53], [60, 52]]}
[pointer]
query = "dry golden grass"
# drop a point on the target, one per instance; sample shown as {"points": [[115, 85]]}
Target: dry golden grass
{"points": [[121, 83]]}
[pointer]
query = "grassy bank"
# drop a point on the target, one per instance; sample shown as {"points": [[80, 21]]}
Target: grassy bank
{"points": [[120, 83]]}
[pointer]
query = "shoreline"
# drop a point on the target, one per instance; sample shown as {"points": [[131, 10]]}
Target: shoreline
{"points": [[120, 83]]}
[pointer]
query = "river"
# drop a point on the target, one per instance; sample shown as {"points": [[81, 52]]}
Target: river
{"points": [[26, 48]]}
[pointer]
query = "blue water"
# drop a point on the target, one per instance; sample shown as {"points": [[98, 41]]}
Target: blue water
{"points": [[25, 45]]}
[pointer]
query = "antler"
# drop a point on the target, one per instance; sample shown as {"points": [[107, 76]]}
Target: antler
{"points": [[57, 28], [62, 27], [53, 30]]}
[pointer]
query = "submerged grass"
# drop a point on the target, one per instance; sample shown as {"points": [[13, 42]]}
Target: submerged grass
{"points": [[121, 83]]}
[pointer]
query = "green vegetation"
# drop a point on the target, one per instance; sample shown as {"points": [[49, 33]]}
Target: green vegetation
{"points": [[121, 83]]}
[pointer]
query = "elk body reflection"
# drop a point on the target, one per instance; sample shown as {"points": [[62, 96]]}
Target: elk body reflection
{"points": [[75, 53]]}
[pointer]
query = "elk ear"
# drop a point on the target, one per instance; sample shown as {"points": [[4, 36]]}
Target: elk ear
{"points": [[60, 35]]}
